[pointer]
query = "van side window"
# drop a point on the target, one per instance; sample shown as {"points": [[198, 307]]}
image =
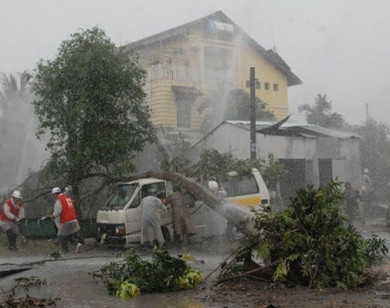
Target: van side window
{"points": [[121, 195], [158, 187], [136, 201], [241, 185]]}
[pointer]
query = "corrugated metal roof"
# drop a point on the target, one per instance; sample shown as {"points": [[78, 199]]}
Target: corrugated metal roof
{"points": [[294, 129]]}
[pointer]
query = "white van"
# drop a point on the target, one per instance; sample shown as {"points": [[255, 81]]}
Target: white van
{"points": [[119, 222]]}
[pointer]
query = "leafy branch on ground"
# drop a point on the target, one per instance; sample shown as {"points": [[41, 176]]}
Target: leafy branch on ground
{"points": [[57, 254], [133, 276], [310, 243], [10, 300]]}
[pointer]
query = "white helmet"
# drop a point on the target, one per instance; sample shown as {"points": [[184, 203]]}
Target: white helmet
{"points": [[366, 171], [213, 186], [56, 190], [17, 194]]}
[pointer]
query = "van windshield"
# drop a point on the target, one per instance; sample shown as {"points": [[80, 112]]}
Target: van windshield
{"points": [[121, 196], [241, 185]]}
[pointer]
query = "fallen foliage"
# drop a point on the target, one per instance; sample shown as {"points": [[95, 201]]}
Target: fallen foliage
{"points": [[27, 301], [309, 243], [11, 300], [133, 276]]}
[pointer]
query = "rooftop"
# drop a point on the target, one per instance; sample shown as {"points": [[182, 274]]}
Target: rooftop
{"points": [[181, 32]]}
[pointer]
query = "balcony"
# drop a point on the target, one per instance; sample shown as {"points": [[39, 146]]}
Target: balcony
{"points": [[174, 72], [192, 74]]}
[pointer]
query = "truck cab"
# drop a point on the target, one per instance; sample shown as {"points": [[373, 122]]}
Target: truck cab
{"points": [[119, 222]]}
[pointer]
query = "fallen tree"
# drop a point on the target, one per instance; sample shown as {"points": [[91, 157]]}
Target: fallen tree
{"points": [[241, 219], [309, 243]]}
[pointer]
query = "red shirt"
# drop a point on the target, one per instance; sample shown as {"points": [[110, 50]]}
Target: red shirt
{"points": [[68, 212], [14, 209]]}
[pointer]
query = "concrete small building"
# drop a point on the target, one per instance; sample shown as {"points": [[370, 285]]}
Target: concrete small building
{"points": [[310, 154]]}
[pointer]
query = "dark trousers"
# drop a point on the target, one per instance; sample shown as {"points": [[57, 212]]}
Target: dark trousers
{"points": [[11, 236], [65, 240]]}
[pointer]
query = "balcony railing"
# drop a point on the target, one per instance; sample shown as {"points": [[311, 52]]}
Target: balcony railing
{"points": [[174, 72], [191, 74]]}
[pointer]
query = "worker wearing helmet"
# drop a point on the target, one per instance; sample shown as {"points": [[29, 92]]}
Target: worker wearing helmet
{"points": [[151, 219], [12, 211], [69, 225], [368, 194], [213, 185], [367, 185]]}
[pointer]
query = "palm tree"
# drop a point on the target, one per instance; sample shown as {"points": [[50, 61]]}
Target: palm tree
{"points": [[320, 113], [12, 99], [17, 127]]}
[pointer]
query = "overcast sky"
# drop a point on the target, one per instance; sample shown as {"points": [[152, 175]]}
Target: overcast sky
{"points": [[340, 48]]}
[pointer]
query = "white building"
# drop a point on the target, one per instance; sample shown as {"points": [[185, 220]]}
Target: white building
{"points": [[310, 154]]}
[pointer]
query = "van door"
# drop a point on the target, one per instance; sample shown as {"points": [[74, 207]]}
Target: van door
{"points": [[134, 213], [133, 218]]}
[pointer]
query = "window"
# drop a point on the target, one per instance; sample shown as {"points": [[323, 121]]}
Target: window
{"points": [[184, 97], [276, 87], [159, 188], [241, 185], [137, 200], [220, 66], [218, 59], [183, 114], [266, 85], [121, 196]]}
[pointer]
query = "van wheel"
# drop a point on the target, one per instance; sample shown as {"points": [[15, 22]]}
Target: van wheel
{"points": [[166, 234]]}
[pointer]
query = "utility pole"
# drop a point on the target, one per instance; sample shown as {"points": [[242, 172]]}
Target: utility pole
{"points": [[367, 117], [252, 115]]}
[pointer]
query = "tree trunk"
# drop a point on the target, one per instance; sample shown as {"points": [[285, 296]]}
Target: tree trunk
{"points": [[242, 219]]}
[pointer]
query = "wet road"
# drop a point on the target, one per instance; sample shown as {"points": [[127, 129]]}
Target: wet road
{"points": [[70, 279]]}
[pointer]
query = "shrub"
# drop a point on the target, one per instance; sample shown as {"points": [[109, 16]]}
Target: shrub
{"points": [[312, 244]]}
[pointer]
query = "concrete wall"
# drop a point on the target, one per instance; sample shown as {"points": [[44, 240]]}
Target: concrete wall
{"points": [[230, 138]]}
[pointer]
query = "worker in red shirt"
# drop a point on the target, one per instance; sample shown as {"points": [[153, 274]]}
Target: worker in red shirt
{"points": [[68, 227], [12, 212]]}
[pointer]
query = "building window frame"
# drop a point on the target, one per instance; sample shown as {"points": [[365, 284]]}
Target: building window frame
{"points": [[184, 99], [183, 113]]}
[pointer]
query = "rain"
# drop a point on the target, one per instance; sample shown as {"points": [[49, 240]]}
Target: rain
{"points": [[333, 52]]}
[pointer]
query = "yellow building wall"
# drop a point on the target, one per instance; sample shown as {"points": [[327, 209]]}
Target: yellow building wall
{"points": [[161, 100], [190, 52], [277, 101]]}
